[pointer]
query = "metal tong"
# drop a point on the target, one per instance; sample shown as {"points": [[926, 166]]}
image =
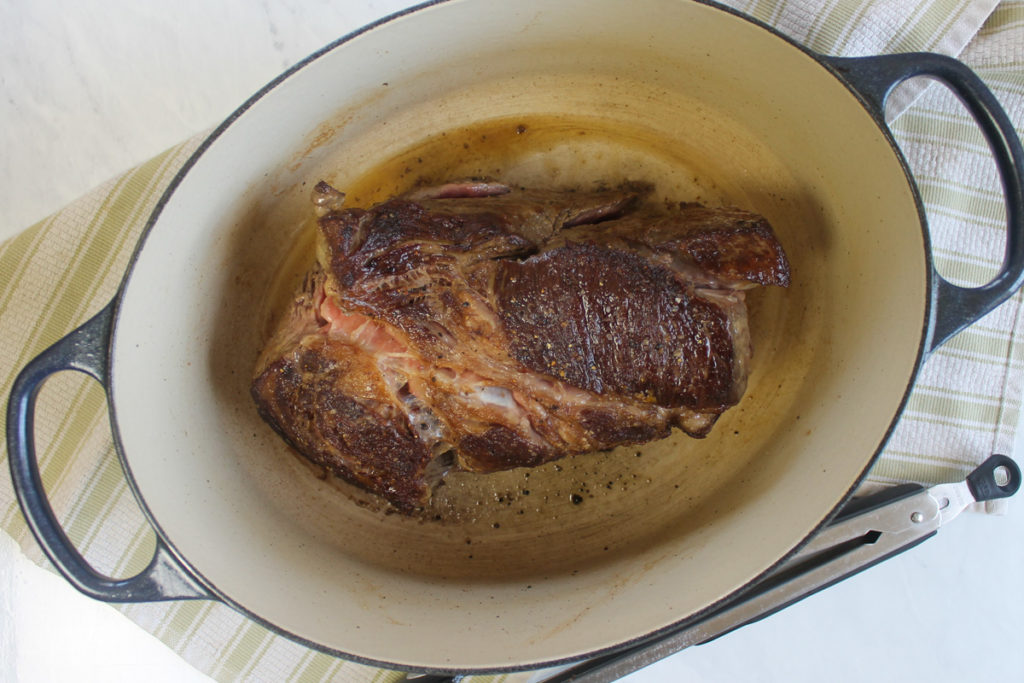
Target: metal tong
{"points": [[866, 531]]}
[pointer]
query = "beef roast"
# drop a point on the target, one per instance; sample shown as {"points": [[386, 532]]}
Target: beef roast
{"points": [[483, 327]]}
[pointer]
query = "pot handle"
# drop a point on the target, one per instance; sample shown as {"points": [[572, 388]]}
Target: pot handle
{"points": [[874, 78], [84, 350]]}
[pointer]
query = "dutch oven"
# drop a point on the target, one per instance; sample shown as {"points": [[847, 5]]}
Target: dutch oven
{"points": [[589, 554]]}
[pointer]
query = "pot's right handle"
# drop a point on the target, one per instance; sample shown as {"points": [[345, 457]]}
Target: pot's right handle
{"points": [[954, 308], [85, 350]]}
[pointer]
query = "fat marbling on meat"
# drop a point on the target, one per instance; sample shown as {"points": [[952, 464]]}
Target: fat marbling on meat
{"points": [[482, 327]]}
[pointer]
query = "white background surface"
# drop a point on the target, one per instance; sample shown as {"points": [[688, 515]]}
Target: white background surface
{"points": [[88, 91]]}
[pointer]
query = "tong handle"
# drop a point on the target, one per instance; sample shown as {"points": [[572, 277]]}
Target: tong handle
{"points": [[997, 477], [857, 543], [865, 532]]}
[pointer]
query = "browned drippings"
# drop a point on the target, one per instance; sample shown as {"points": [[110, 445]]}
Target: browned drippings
{"points": [[582, 153]]}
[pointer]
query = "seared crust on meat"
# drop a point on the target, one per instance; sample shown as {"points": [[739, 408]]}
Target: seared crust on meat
{"points": [[505, 328]]}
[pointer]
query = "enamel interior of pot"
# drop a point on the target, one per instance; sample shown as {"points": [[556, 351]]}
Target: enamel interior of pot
{"points": [[524, 567]]}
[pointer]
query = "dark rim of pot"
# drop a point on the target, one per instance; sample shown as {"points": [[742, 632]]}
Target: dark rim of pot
{"points": [[638, 640]]}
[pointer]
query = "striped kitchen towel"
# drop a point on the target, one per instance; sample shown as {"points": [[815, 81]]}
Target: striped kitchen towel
{"points": [[964, 407]]}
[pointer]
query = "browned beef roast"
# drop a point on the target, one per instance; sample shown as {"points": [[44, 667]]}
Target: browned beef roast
{"points": [[482, 327]]}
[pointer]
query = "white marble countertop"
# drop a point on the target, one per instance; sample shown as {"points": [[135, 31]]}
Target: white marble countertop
{"points": [[90, 89]]}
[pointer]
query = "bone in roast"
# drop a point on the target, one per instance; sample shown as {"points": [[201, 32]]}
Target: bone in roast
{"points": [[479, 327]]}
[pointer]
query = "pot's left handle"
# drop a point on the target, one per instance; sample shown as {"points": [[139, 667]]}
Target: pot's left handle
{"points": [[84, 350], [874, 78]]}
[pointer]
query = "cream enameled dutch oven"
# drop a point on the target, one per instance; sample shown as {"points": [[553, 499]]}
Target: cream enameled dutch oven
{"points": [[578, 557]]}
